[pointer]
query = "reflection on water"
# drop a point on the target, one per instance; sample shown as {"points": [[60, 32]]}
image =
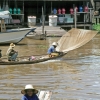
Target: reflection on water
{"points": [[76, 76]]}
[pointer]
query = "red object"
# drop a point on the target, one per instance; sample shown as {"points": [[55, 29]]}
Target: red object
{"points": [[71, 11], [86, 9], [59, 11], [63, 10], [76, 9]]}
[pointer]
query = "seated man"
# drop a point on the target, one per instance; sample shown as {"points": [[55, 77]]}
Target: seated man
{"points": [[11, 53], [51, 51]]}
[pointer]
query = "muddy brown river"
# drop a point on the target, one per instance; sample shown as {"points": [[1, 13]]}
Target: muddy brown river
{"points": [[75, 76]]}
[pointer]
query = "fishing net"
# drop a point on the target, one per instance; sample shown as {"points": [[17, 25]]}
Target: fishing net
{"points": [[75, 38]]}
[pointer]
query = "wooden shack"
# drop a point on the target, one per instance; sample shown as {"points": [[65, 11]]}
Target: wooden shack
{"points": [[34, 8]]}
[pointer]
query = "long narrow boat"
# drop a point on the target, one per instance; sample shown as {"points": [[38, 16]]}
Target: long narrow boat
{"points": [[15, 35], [24, 60]]}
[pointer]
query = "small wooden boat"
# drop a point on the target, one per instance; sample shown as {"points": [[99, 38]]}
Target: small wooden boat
{"points": [[15, 35], [12, 35], [25, 60]]}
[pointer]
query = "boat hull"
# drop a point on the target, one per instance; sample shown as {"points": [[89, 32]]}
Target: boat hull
{"points": [[30, 62], [14, 36], [11, 41]]}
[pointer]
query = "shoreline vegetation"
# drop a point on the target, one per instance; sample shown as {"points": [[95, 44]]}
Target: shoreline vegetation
{"points": [[96, 27]]}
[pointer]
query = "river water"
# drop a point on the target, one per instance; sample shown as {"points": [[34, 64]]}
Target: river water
{"points": [[75, 76]]}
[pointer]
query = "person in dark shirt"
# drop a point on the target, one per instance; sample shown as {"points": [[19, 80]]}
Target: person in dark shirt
{"points": [[29, 93]]}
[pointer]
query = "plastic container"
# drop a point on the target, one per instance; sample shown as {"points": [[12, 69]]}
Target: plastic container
{"points": [[10, 10], [86, 9], [52, 20], [18, 11], [31, 21], [54, 11], [14, 11], [63, 10], [71, 11], [76, 9], [80, 9], [59, 11]]}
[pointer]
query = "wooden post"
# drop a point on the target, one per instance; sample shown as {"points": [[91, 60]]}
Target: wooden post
{"points": [[44, 11], [92, 11], [91, 17], [37, 7], [23, 15], [84, 19], [23, 6], [44, 7], [3, 5], [92, 2], [75, 16], [51, 7], [42, 21], [45, 34]]}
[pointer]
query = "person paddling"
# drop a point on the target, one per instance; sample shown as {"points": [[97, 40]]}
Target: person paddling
{"points": [[29, 93], [11, 53], [51, 51]]}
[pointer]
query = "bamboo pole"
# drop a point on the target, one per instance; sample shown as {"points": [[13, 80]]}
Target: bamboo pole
{"points": [[23, 6], [92, 2], [37, 7], [75, 16], [3, 5], [91, 18], [42, 21], [51, 7]]}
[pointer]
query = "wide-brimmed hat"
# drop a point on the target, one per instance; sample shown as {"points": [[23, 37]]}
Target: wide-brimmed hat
{"points": [[12, 45], [29, 87], [55, 43]]}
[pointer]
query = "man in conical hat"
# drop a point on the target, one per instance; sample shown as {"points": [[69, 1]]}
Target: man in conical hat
{"points": [[51, 51], [11, 53]]}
